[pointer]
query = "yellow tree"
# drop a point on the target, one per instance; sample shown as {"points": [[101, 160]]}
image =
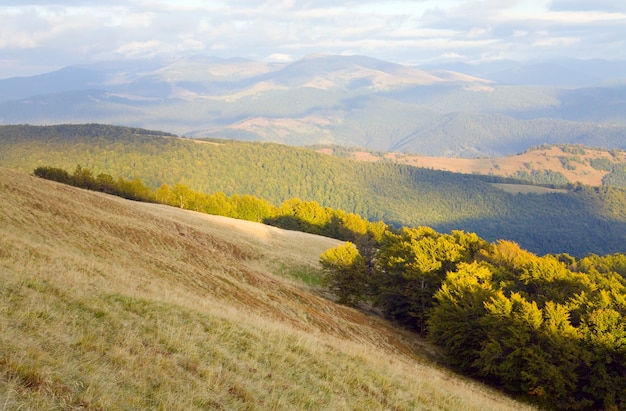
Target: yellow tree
{"points": [[344, 273]]}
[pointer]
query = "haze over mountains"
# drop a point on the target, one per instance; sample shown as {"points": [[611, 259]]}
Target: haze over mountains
{"points": [[458, 110]]}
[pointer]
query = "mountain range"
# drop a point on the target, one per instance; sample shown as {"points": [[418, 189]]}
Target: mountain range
{"points": [[458, 110]]}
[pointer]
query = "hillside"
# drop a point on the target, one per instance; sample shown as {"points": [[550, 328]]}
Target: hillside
{"points": [[112, 304], [541, 165], [578, 222], [328, 99]]}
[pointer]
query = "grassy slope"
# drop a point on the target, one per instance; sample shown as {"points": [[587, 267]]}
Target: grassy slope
{"points": [[112, 304], [539, 159]]}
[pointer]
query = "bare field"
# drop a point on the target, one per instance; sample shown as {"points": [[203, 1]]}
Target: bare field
{"points": [[111, 304]]}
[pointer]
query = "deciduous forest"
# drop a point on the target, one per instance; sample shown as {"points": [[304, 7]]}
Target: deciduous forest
{"points": [[550, 329]]}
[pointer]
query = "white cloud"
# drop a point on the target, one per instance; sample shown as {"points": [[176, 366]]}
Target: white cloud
{"points": [[555, 41], [138, 49], [587, 5], [279, 58], [68, 32]]}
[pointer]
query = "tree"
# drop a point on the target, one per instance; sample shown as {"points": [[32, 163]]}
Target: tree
{"points": [[410, 267], [344, 273], [83, 177], [54, 174], [165, 195], [455, 322], [184, 196], [106, 184], [531, 351]]}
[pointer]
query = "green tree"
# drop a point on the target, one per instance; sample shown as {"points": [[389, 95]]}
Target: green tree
{"points": [[83, 177], [604, 333], [54, 174], [455, 322], [531, 351], [410, 268], [106, 184], [344, 273]]}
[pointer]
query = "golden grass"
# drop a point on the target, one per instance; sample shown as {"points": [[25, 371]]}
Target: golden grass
{"points": [[107, 304], [540, 159]]}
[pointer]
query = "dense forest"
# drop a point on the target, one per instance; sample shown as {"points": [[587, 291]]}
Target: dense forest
{"points": [[551, 329], [583, 220]]}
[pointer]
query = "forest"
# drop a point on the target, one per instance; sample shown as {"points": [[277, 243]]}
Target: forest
{"points": [[583, 220], [550, 329]]}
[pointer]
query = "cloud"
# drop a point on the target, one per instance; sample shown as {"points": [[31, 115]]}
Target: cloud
{"points": [[139, 49], [279, 58], [588, 5], [406, 31]]}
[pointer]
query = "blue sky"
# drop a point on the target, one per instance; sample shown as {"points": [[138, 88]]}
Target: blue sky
{"points": [[37, 36]]}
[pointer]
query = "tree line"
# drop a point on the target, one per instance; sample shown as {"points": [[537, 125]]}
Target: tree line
{"points": [[292, 214], [550, 329]]}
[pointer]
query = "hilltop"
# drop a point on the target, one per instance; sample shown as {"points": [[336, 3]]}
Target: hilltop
{"points": [[546, 164], [113, 304]]}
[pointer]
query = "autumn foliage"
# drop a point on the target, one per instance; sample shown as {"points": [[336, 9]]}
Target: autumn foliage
{"points": [[551, 329]]}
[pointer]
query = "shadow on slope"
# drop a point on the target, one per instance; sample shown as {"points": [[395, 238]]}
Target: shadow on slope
{"points": [[583, 221]]}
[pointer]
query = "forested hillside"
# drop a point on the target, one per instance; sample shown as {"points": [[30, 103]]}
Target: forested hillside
{"points": [[580, 221], [554, 165], [550, 328]]}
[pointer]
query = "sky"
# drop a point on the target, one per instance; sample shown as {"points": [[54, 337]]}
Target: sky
{"points": [[38, 36]]}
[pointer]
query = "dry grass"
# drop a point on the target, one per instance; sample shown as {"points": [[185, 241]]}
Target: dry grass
{"points": [[107, 304], [540, 159]]}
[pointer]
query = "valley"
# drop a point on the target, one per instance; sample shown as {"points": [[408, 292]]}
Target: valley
{"points": [[580, 221]]}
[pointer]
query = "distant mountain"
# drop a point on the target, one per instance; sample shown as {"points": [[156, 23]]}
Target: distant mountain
{"points": [[558, 72], [456, 111]]}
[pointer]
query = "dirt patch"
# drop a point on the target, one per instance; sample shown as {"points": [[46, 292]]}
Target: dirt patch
{"points": [[364, 156]]}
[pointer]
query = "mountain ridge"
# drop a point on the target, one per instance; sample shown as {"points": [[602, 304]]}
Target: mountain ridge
{"points": [[329, 99], [568, 164]]}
